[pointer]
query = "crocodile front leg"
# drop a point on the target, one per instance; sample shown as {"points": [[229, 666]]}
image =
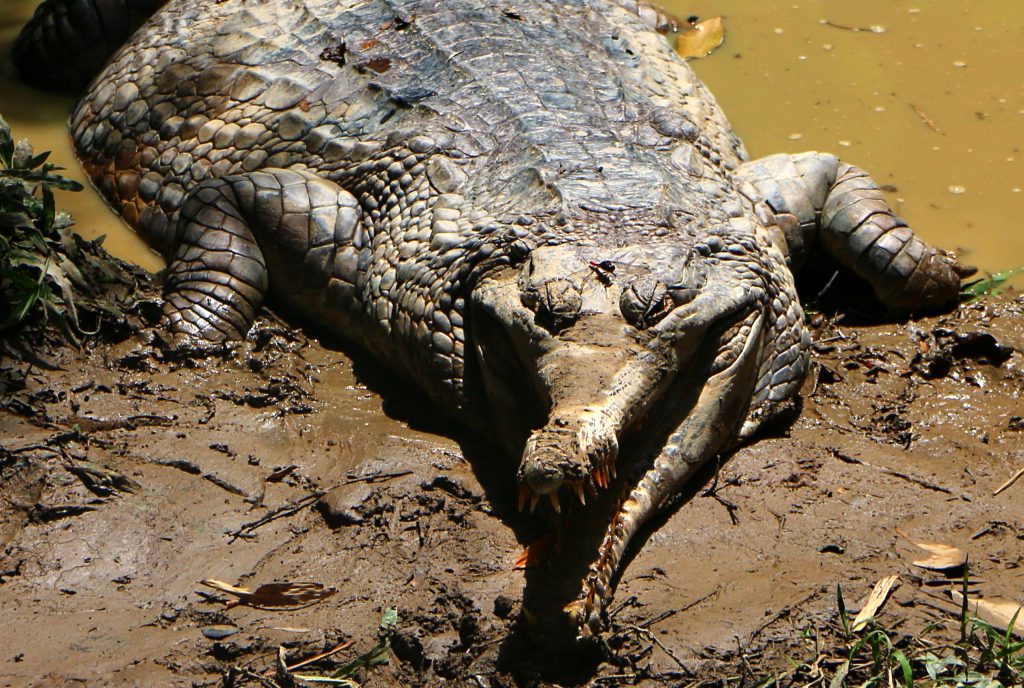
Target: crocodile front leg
{"points": [[819, 201], [232, 229], [66, 42]]}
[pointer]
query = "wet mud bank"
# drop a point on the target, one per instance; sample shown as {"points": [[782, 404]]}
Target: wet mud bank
{"points": [[131, 472]]}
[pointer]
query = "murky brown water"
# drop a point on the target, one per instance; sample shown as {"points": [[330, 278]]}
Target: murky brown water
{"points": [[932, 103]]}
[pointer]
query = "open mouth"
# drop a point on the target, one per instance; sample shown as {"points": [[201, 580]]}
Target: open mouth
{"points": [[602, 500], [615, 392]]}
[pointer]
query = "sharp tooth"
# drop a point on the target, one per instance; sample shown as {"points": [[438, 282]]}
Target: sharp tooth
{"points": [[533, 501], [589, 485], [553, 497], [578, 488], [600, 477], [524, 492], [611, 469]]}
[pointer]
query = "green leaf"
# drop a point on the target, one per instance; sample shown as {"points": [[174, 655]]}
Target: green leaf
{"points": [[989, 286], [842, 610], [49, 210], [6, 144], [908, 672], [389, 620], [37, 160]]}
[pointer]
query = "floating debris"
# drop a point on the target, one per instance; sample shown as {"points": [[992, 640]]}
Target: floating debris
{"points": [[702, 39]]}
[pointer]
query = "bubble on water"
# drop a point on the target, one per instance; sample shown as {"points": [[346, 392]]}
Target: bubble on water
{"points": [[957, 189]]}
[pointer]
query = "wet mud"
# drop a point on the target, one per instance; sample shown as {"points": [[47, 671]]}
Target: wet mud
{"points": [[130, 472]]}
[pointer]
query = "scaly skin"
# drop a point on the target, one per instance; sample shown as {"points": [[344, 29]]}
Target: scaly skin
{"points": [[533, 209]]}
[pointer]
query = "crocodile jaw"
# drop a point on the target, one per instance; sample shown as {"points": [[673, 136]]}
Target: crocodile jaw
{"points": [[649, 403]]}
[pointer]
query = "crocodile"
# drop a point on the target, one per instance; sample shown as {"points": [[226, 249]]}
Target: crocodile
{"points": [[532, 209]]}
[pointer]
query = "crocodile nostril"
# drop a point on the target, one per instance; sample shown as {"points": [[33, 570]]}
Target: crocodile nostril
{"points": [[644, 301], [557, 302]]}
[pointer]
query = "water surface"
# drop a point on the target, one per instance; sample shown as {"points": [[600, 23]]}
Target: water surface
{"points": [[928, 96]]}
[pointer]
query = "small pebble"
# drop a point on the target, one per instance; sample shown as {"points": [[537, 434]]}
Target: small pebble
{"points": [[844, 143], [956, 189], [777, 31], [959, 63], [795, 137]]}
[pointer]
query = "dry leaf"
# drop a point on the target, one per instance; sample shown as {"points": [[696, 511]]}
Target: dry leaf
{"points": [[702, 39], [996, 611], [273, 594], [876, 599], [943, 557], [537, 551]]}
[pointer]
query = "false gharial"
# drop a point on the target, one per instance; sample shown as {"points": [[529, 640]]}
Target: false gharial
{"points": [[532, 209]]}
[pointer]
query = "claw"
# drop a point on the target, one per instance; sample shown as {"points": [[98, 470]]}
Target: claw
{"points": [[553, 498], [524, 492]]}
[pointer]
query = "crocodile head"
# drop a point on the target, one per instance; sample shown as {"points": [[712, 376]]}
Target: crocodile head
{"points": [[613, 374]]}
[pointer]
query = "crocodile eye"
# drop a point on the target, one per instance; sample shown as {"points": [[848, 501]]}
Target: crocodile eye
{"points": [[644, 302], [557, 303]]}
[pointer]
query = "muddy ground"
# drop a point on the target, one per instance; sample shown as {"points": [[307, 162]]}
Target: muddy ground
{"points": [[129, 473]]}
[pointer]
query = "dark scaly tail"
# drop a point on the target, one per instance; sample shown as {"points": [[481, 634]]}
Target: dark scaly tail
{"points": [[66, 42]]}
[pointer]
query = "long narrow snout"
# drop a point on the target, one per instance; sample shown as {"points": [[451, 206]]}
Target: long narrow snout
{"points": [[596, 393]]}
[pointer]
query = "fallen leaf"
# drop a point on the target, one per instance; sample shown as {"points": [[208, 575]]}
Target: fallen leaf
{"points": [[219, 631], [943, 557], [996, 611], [702, 39], [273, 594], [876, 599], [537, 551]]}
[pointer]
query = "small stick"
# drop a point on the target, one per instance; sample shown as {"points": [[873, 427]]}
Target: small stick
{"points": [[322, 655], [926, 119], [653, 638], [1014, 478]]}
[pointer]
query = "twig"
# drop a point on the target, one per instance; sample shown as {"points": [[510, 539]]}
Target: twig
{"points": [[673, 612], [613, 677], [846, 458], [926, 119], [654, 639], [784, 612], [280, 512], [322, 655], [31, 447], [855, 29], [1014, 478], [374, 477], [294, 507]]}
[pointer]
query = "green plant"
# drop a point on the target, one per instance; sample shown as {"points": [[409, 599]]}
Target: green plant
{"points": [[973, 654], [990, 285], [48, 273]]}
